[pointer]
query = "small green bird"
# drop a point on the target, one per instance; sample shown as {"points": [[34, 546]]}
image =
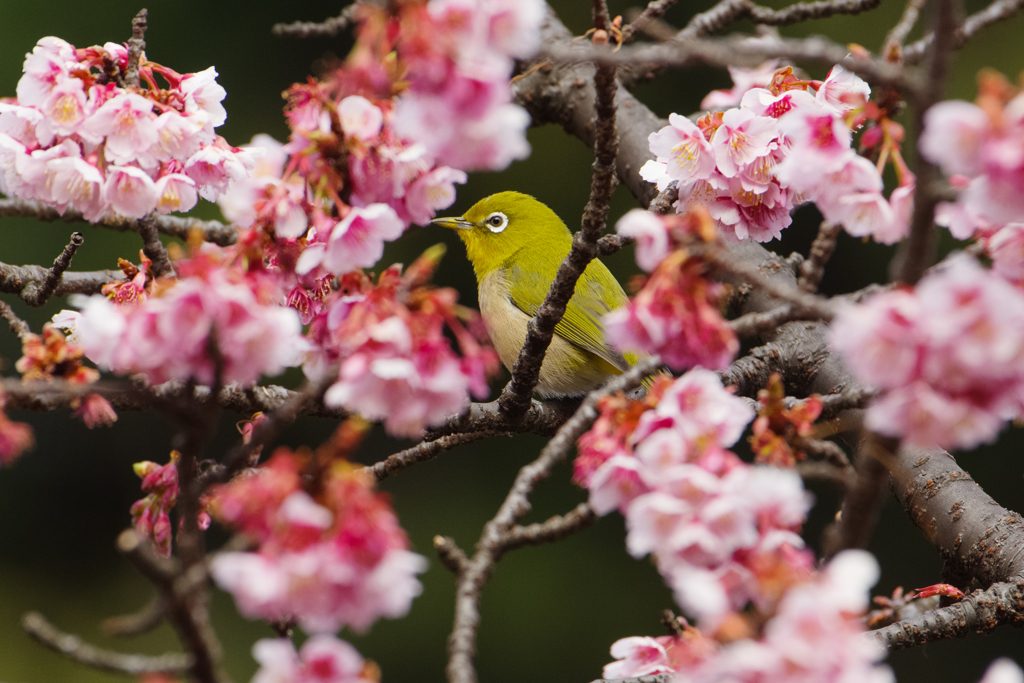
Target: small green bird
{"points": [[516, 245]]}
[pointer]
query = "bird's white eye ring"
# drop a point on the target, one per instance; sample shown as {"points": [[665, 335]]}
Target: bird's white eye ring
{"points": [[496, 222]]}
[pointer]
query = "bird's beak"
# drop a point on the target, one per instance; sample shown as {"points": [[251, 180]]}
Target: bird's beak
{"points": [[459, 223]]}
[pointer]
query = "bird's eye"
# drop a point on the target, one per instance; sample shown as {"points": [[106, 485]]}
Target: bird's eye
{"points": [[497, 221]]}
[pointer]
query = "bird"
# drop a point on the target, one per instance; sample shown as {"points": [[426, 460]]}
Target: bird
{"points": [[515, 244]]}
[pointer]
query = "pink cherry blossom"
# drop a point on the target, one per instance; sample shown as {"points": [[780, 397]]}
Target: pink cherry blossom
{"points": [[203, 93], [178, 137], [360, 118], [64, 111], [1006, 248], [338, 561], [355, 242], [1003, 670], [432, 192], [742, 137], [130, 191], [175, 192], [323, 658], [127, 125], [652, 241], [44, 67], [843, 90], [948, 358], [682, 147], [78, 183], [213, 168], [954, 135]]}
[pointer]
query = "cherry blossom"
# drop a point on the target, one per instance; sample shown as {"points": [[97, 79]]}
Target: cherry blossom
{"points": [[339, 560], [15, 437], [947, 357], [1003, 670], [323, 658], [750, 165], [103, 149]]}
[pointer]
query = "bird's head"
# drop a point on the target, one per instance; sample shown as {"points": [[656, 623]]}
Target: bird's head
{"points": [[498, 228]]}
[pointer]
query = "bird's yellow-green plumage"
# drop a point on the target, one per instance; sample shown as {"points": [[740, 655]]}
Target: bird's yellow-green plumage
{"points": [[516, 245]]}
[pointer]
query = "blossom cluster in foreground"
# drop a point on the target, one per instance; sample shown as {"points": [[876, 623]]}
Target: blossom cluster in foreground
{"points": [[77, 136], [333, 560], [784, 144], [676, 312], [948, 356], [722, 531], [815, 632]]}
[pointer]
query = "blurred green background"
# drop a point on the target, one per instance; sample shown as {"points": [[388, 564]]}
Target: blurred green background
{"points": [[549, 613]]}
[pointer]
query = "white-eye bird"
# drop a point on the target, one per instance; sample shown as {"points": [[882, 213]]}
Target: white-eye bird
{"points": [[516, 245]]}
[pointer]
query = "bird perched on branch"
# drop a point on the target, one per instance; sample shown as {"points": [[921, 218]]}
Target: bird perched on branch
{"points": [[516, 245]]}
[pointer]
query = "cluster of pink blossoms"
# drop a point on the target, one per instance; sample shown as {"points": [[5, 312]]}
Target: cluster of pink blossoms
{"points": [[322, 659], [948, 356], [676, 313], [215, 316], [340, 559], [396, 364], [460, 55], [720, 530], [981, 147], [815, 633], [76, 137], [752, 164]]}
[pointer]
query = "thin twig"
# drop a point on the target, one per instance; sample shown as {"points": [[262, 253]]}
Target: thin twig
{"points": [[136, 46], [175, 226], [146, 619], [450, 554], [1000, 10], [38, 295], [515, 399], [898, 34], [42, 631], [153, 247], [730, 11], [655, 10], [725, 52], [427, 450], [662, 204], [864, 498], [543, 418], [476, 571], [265, 431], [610, 244], [18, 326], [551, 530], [813, 268], [312, 29], [917, 252]]}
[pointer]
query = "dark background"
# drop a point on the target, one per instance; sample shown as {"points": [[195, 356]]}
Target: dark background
{"points": [[549, 613]]}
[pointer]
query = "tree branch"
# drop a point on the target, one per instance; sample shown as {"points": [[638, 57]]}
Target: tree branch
{"points": [[28, 281], [551, 530], [1000, 10], [515, 399], [426, 450], [42, 631], [312, 29], [39, 295], [153, 248], [136, 46], [731, 11], [980, 612], [175, 226], [476, 571], [813, 269]]}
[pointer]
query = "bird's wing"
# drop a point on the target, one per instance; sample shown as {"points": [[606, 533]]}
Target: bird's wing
{"points": [[597, 293]]}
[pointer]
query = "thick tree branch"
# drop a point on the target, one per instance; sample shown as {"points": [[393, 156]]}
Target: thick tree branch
{"points": [[28, 281], [69, 645], [980, 612], [174, 226]]}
